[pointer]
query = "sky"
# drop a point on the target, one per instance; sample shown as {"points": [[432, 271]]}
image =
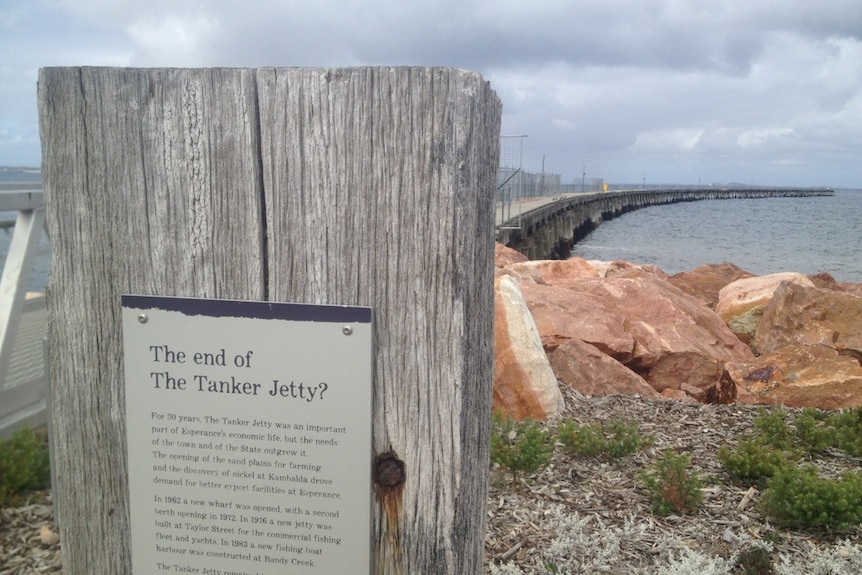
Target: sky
{"points": [[763, 92]]}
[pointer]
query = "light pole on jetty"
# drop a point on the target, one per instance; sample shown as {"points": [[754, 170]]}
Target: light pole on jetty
{"points": [[584, 176]]}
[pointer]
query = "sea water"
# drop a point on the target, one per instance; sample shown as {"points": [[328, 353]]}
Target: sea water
{"points": [[762, 236]]}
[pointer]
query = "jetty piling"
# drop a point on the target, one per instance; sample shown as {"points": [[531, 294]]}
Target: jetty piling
{"points": [[292, 185]]}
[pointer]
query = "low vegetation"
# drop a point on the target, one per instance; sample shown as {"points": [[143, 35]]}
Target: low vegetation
{"points": [[617, 439], [24, 465], [672, 486], [777, 462], [781, 461], [795, 495], [519, 446]]}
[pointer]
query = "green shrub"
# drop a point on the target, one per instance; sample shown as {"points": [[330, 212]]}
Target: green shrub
{"points": [[624, 438], [671, 486], [24, 465], [752, 462], [755, 560], [619, 439], [586, 440], [799, 498], [519, 446], [814, 431], [774, 430], [847, 427]]}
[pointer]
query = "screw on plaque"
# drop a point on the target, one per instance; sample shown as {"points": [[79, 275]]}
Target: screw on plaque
{"points": [[142, 318], [347, 330]]}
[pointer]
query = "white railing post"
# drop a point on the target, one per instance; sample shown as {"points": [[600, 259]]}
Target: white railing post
{"points": [[16, 277]]}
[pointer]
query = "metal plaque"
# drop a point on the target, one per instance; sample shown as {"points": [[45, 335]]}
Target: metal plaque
{"points": [[249, 436]]}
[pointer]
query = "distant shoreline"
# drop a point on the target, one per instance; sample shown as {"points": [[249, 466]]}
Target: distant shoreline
{"points": [[29, 175], [20, 178]]}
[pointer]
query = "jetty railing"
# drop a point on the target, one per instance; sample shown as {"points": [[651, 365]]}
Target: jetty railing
{"points": [[23, 394]]}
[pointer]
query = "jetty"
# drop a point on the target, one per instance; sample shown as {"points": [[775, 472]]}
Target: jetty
{"points": [[548, 227], [543, 227]]}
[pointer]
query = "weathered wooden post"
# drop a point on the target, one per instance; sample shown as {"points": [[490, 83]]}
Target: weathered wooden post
{"points": [[358, 186]]}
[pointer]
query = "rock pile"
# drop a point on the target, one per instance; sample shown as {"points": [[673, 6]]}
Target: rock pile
{"points": [[715, 334]]}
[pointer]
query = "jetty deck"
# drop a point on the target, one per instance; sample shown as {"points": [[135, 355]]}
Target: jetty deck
{"points": [[547, 229], [24, 391]]}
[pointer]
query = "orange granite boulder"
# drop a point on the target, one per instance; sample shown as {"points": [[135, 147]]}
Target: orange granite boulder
{"points": [[504, 255], [624, 268], [798, 376], [524, 383], [807, 315], [741, 303], [617, 327], [660, 333], [552, 272], [706, 281], [589, 371], [563, 313], [825, 280]]}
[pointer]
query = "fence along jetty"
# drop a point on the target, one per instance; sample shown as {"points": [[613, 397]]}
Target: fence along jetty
{"points": [[548, 228]]}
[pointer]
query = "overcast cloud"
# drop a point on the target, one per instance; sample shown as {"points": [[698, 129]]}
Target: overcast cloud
{"points": [[670, 91]]}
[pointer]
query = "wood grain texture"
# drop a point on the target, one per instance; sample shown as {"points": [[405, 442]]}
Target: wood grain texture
{"points": [[379, 184], [356, 186], [152, 186]]}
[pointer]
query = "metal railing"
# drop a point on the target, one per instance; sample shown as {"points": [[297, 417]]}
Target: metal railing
{"points": [[24, 399]]}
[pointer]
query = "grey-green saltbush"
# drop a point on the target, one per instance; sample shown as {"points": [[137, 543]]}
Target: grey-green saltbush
{"points": [[583, 545]]}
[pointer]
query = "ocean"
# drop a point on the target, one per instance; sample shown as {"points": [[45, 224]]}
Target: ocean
{"points": [[762, 236]]}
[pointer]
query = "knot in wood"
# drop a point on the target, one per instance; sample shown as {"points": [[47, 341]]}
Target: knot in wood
{"points": [[389, 472]]}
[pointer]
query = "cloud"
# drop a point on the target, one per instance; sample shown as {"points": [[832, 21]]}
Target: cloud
{"points": [[671, 87], [763, 137], [667, 141], [184, 40]]}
